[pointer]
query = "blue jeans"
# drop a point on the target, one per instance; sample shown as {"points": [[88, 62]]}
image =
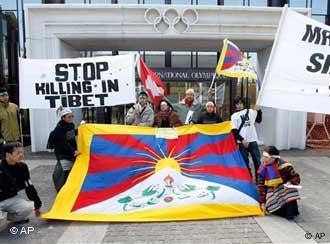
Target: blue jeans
{"points": [[253, 149]]}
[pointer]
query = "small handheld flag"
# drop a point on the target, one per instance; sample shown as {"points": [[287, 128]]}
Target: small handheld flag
{"points": [[232, 62], [151, 82]]}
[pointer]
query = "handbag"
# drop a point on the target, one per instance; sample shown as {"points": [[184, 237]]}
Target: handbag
{"points": [[58, 176]]}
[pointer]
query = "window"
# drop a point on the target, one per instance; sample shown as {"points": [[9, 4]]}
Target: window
{"points": [[233, 2], [320, 18], [101, 1], [155, 59], [8, 4], [153, 1], [185, 2], [260, 3], [207, 2], [319, 7], [181, 59], [129, 1], [207, 60], [76, 1]]}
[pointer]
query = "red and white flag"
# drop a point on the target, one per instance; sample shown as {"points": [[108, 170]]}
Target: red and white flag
{"points": [[151, 82]]}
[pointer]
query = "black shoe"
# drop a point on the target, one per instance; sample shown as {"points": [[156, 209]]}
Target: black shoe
{"points": [[24, 221], [289, 217]]}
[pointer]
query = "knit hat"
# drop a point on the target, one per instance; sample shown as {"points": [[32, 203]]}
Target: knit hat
{"points": [[3, 92], [63, 111], [143, 94]]}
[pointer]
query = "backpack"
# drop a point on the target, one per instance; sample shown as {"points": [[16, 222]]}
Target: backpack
{"points": [[51, 140]]}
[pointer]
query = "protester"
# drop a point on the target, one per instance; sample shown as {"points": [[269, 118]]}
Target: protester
{"points": [[276, 185], [140, 113], [166, 117], [243, 125], [15, 176], [209, 116], [189, 109], [8, 120], [65, 143]]}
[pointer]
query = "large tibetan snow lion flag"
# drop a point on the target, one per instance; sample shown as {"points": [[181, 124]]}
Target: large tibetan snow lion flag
{"points": [[131, 173]]}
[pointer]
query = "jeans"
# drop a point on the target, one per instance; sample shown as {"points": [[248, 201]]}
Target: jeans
{"points": [[253, 149], [17, 208]]}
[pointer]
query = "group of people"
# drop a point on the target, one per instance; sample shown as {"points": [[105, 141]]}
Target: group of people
{"points": [[274, 177], [167, 115], [14, 174]]}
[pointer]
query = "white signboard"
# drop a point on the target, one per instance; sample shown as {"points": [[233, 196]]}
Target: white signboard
{"points": [[298, 72], [77, 83], [220, 94]]}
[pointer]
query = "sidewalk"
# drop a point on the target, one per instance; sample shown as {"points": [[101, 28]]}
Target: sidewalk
{"points": [[313, 222]]}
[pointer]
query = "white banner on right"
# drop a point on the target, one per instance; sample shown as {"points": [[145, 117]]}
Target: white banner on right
{"points": [[297, 77]]}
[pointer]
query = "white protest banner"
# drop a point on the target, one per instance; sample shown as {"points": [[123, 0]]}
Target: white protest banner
{"points": [[77, 83], [297, 77]]}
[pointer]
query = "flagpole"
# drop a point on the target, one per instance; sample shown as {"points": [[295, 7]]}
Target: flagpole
{"points": [[215, 96], [213, 79]]}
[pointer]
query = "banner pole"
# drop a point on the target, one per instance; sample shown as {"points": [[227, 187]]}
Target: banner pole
{"points": [[213, 79], [20, 127]]}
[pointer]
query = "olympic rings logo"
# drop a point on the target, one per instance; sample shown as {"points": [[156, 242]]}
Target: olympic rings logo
{"points": [[164, 20]]}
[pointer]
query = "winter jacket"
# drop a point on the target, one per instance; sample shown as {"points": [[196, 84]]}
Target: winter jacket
{"points": [[209, 118], [9, 122], [167, 119], [183, 110], [137, 115], [65, 140], [14, 178]]}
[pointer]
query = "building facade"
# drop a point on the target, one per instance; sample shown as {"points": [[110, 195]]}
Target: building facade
{"points": [[180, 39]]}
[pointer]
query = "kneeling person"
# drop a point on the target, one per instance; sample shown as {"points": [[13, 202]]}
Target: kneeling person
{"points": [[15, 176]]}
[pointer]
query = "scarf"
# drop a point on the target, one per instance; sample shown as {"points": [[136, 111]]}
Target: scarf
{"points": [[188, 103], [271, 174]]}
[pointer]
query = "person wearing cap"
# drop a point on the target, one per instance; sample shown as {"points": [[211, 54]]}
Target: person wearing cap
{"points": [[243, 127], [140, 113], [64, 136], [9, 126], [189, 109], [277, 185], [166, 116], [209, 116]]}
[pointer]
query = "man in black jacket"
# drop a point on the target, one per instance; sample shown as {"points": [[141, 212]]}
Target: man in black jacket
{"points": [[15, 176], [209, 116]]}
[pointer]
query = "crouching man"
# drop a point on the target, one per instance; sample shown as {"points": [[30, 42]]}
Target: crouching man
{"points": [[15, 176]]}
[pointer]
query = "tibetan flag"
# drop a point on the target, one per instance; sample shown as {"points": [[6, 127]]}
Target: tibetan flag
{"points": [[151, 82], [140, 174], [232, 62]]}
